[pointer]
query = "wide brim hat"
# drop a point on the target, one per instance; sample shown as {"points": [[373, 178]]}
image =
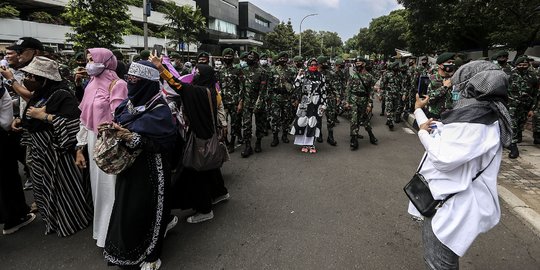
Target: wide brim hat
{"points": [[43, 67]]}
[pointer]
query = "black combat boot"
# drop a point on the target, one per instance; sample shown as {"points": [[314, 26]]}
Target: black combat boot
{"points": [[248, 151], [330, 140], [354, 142], [536, 137], [519, 136], [390, 124], [372, 138], [320, 139], [284, 138], [232, 144], [240, 139], [514, 152], [275, 140], [258, 148]]}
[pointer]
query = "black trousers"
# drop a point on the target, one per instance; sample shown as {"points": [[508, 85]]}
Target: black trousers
{"points": [[13, 205]]}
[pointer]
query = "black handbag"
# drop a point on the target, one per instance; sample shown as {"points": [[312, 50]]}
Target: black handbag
{"points": [[205, 154], [420, 195]]}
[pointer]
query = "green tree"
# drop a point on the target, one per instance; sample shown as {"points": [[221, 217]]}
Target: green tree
{"points": [[331, 43], [388, 33], [185, 23], [96, 23], [282, 38], [311, 44], [8, 11]]}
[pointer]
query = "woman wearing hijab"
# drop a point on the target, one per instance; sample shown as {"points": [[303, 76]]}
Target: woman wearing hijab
{"points": [[311, 91], [467, 144], [102, 95], [200, 189], [139, 218], [52, 121]]}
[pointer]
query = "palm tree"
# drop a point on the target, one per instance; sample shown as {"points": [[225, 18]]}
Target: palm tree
{"points": [[185, 23]]}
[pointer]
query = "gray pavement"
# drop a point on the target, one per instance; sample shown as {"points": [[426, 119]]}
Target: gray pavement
{"points": [[336, 209]]}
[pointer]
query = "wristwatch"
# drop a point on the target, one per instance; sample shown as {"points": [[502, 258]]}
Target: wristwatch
{"points": [[10, 82]]}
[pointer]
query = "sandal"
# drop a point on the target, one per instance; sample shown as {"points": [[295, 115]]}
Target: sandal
{"points": [[305, 149], [312, 150]]}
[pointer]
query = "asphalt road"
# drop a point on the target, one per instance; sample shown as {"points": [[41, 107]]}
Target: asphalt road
{"points": [[336, 209]]}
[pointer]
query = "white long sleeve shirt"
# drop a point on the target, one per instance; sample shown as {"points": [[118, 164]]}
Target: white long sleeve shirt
{"points": [[456, 152], [6, 111]]}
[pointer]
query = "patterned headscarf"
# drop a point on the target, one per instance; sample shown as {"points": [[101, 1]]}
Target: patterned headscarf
{"points": [[483, 90]]}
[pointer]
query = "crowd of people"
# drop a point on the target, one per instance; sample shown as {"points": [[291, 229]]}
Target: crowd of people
{"points": [[52, 118]]}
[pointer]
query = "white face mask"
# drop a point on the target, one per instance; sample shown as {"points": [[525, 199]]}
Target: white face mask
{"points": [[243, 63], [263, 62], [94, 69]]}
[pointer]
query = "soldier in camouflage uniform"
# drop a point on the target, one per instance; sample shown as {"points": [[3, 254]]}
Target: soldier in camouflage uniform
{"points": [[341, 83], [405, 89], [253, 97], [265, 66], [502, 61], [522, 97], [360, 101], [230, 78], [332, 99], [391, 91], [280, 96], [439, 89]]}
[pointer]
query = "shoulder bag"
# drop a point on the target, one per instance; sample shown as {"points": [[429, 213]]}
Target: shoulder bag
{"points": [[205, 154], [420, 195]]}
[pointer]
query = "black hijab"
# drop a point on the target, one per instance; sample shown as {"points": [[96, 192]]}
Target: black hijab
{"points": [[58, 101]]}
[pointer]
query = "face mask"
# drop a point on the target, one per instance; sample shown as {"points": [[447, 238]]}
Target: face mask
{"points": [[521, 69], [94, 69], [263, 62], [424, 64], [227, 61], [299, 65], [243, 63], [501, 62], [33, 86], [359, 68], [411, 63], [313, 68], [449, 68]]}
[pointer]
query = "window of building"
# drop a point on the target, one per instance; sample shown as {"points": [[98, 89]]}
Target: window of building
{"points": [[262, 21], [222, 26]]}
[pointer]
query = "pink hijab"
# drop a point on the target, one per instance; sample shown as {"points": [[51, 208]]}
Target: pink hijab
{"points": [[98, 105]]}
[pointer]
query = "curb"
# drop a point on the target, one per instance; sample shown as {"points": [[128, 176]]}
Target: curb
{"points": [[518, 207]]}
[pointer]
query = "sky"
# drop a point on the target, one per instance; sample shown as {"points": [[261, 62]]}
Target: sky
{"points": [[345, 17]]}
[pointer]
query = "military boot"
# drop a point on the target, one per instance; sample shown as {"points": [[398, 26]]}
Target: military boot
{"points": [[536, 137], [275, 140], [519, 136], [372, 138], [248, 151], [258, 147], [330, 140], [284, 138], [232, 144], [390, 124], [320, 139], [514, 152], [354, 142]]}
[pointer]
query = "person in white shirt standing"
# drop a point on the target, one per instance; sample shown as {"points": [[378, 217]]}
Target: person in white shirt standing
{"points": [[466, 144]]}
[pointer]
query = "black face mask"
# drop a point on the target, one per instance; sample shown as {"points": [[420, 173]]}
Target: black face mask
{"points": [[227, 61], [449, 68], [33, 86], [299, 65], [521, 69], [501, 62], [359, 68], [325, 67], [251, 62], [424, 64]]}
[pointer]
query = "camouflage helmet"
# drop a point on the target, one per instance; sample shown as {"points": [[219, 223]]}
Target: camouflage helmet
{"points": [[298, 58], [322, 60], [228, 51]]}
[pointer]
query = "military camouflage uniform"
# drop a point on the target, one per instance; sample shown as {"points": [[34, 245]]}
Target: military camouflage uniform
{"points": [[280, 97], [391, 89], [253, 99], [230, 79], [359, 97], [332, 96], [522, 98], [405, 92], [440, 96]]}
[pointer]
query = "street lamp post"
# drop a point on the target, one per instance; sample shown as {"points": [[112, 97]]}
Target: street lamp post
{"points": [[300, 41]]}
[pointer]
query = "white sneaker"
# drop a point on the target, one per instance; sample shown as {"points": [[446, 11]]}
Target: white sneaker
{"points": [[151, 265], [171, 225], [221, 198], [199, 217]]}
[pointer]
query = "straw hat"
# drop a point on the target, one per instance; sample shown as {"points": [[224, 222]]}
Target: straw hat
{"points": [[43, 67]]}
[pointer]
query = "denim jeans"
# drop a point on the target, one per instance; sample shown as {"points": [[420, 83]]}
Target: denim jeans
{"points": [[437, 256]]}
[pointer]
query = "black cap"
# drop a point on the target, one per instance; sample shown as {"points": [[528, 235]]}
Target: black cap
{"points": [[26, 43]]}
